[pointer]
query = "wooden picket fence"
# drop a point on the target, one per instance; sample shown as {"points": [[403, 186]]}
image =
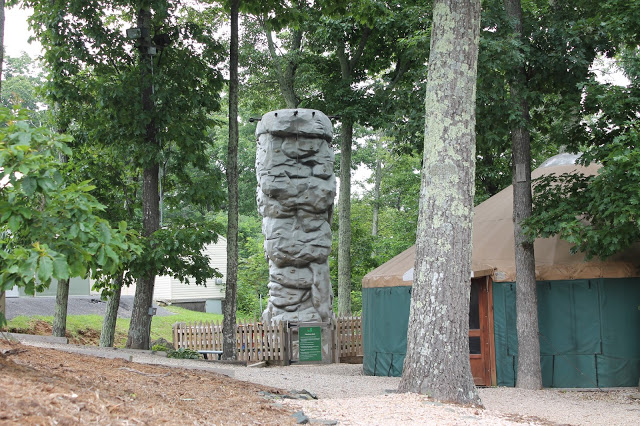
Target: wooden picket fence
{"points": [[349, 331], [263, 342], [255, 341]]}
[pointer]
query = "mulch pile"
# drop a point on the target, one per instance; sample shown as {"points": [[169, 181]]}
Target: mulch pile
{"points": [[45, 386]]}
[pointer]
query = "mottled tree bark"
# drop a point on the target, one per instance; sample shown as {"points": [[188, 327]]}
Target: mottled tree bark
{"points": [[59, 328], [3, 305], [140, 326], [529, 372], [347, 65], [111, 315], [376, 188], [60, 311], [437, 360], [344, 220], [229, 321]]}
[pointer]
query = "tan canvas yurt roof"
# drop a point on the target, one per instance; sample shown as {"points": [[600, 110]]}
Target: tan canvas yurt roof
{"points": [[493, 244]]}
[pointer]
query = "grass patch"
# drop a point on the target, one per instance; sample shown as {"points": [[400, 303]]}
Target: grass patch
{"points": [[163, 326], [85, 329]]}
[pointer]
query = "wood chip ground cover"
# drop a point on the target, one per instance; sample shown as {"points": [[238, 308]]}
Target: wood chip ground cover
{"points": [[45, 386], [40, 385]]}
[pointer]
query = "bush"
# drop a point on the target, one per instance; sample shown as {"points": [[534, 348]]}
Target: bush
{"points": [[184, 353], [248, 302]]}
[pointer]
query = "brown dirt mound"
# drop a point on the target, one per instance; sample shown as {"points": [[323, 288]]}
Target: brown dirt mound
{"points": [[45, 386], [88, 336]]}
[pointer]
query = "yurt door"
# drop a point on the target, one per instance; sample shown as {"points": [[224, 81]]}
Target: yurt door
{"points": [[479, 353]]}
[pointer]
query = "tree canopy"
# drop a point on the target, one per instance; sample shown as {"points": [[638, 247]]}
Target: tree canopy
{"points": [[41, 237], [134, 115], [598, 213]]}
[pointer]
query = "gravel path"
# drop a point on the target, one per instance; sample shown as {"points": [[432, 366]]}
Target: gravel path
{"points": [[346, 395]]}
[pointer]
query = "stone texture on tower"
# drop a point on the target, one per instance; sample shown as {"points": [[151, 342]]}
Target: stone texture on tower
{"points": [[296, 189]]}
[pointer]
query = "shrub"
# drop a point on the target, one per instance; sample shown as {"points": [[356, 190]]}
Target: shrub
{"points": [[184, 353]]}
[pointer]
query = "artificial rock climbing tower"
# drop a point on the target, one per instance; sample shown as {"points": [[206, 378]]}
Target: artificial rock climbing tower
{"points": [[296, 189]]}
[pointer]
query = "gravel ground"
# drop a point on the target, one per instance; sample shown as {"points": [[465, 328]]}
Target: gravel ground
{"points": [[78, 305], [346, 395]]}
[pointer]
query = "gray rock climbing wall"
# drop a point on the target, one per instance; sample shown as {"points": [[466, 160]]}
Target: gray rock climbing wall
{"points": [[296, 189]]}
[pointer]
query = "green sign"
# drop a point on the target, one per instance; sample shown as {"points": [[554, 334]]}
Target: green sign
{"points": [[310, 344]]}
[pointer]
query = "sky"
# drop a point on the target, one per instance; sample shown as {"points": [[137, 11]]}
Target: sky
{"points": [[16, 34]]}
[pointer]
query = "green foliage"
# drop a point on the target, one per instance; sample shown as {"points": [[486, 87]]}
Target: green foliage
{"points": [[598, 214], [50, 229], [356, 301], [183, 353], [176, 251], [160, 348], [397, 219], [253, 268], [248, 302], [21, 81], [96, 82]]}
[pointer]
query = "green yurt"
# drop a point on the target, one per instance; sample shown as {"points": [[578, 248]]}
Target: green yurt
{"points": [[589, 311]]}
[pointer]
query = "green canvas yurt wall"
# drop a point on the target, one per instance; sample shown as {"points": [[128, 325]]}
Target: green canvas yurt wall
{"points": [[384, 353], [589, 332], [386, 297], [588, 309]]}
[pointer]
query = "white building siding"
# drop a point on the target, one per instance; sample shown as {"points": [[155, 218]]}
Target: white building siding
{"points": [[172, 290], [162, 288]]}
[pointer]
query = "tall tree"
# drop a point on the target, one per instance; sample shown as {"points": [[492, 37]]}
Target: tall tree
{"points": [[140, 325], [2, 3], [366, 42], [437, 360], [348, 64], [49, 227], [107, 334], [22, 80], [529, 371], [168, 84], [2, 293], [551, 48], [229, 337], [377, 180], [286, 65]]}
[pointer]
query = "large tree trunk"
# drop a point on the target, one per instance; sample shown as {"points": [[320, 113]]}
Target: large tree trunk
{"points": [[376, 188], [529, 372], [437, 360], [60, 311], [229, 321], [3, 307], [347, 65], [111, 315], [59, 328], [344, 220], [140, 326]]}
